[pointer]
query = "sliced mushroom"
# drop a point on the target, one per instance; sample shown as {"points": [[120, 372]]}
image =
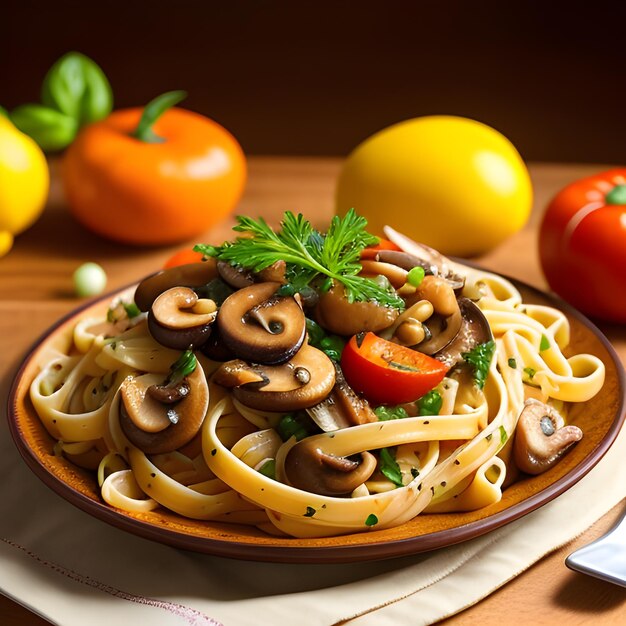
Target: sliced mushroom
{"points": [[302, 382], [258, 326], [440, 331], [342, 408], [146, 422], [395, 274], [309, 468], [474, 330], [190, 275], [178, 319], [274, 273], [541, 438], [236, 277], [336, 314]]}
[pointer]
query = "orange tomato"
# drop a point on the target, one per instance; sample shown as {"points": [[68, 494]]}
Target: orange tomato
{"points": [[145, 193], [183, 257]]}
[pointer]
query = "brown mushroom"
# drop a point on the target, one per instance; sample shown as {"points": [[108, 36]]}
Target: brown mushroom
{"points": [[342, 408], [474, 330], [155, 427], [336, 314], [190, 275], [234, 276], [261, 327], [178, 319], [309, 468], [541, 438], [430, 259], [302, 382]]}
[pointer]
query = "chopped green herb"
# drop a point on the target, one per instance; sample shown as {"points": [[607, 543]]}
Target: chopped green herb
{"points": [[310, 511], [269, 469], [530, 372], [385, 413], [415, 276], [308, 253], [371, 520], [389, 467], [132, 310], [480, 360], [430, 404], [290, 426], [182, 367], [503, 435], [512, 363], [544, 344]]}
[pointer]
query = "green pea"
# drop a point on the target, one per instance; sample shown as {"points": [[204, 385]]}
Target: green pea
{"points": [[51, 129], [89, 280], [415, 276]]}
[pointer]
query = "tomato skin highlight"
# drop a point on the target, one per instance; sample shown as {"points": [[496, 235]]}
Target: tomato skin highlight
{"points": [[387, 373], [183, 257], [582, 246]]}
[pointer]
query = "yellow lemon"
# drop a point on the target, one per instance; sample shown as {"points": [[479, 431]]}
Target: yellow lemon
{"points": [[24, 181], [449, 182]]}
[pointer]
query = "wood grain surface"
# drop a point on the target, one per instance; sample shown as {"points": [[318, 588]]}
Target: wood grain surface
{"points": [[36, 276]]}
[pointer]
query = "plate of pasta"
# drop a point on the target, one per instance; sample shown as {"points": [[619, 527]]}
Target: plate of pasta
{"points": [[300, 396]]}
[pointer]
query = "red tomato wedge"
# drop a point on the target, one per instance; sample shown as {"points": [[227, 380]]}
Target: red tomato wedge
{"points": [[183, 257], [387, 373]]}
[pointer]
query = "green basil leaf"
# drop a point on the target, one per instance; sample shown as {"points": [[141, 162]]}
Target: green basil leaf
{"points": [[389, 467], [76, 86], [51, 129]]}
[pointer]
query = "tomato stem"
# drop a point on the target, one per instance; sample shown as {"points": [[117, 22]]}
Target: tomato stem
{"points": [[152, 112], [617, 195]]}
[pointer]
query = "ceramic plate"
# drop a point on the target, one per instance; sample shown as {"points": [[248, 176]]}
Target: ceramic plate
{"points": [[600, 420]]}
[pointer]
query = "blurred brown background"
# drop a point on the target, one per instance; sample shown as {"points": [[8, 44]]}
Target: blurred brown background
{"points": [[318, 77]]}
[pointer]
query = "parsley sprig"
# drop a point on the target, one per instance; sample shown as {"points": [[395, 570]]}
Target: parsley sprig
{"points": [[480, 360], [308, 253]]}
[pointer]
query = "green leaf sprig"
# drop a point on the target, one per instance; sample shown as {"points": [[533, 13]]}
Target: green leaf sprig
{"points": [[308, 253], [389, 466], [75, 92], [480, 359]]}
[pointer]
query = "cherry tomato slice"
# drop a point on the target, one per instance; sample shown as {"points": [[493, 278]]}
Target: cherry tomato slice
{"points": [[183, 257], [387, 373]]}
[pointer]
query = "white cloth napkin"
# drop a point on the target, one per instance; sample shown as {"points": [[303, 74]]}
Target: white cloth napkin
{"points": [[74, 569]]}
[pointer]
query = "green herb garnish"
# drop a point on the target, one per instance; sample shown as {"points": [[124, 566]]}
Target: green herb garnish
{"points": [[503, 435], [389, 467], [544, 344], [371, 520], [480, 359], [530, 372], [308, 254], [289, 426], [331, 345], [512, 363], [269, 469], [385, 413], [430, 403], [132, 310], [182, 367]]}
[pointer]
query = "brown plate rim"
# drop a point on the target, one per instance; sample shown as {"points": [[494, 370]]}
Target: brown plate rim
{"points": [[367, 551]]}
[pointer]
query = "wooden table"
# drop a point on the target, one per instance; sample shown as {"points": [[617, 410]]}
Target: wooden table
{"points": [[36, 278]]}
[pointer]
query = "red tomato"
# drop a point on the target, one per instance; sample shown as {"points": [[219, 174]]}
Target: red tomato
{"points": [[387, 373], [183, 257], [383, 244], [582, 245]]}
